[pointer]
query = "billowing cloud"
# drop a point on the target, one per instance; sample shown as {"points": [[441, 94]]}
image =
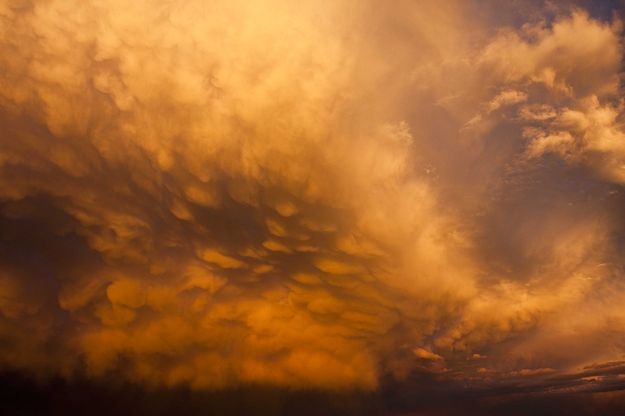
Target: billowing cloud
{"points": [[218, 194]]}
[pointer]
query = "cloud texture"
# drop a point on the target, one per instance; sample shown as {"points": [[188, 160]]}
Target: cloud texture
{"points": [[214, 194]]}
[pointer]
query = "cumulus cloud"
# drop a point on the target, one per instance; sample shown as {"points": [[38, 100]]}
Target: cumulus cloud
{"points": [[214, 194]]}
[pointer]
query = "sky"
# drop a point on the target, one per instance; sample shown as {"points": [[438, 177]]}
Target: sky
{"points": [[277, 207]]}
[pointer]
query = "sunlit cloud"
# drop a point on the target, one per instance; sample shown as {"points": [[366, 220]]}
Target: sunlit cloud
{"points": [[312, 196]]}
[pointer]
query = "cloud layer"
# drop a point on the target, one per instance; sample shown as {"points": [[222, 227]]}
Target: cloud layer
{"points": [[215, 194]]}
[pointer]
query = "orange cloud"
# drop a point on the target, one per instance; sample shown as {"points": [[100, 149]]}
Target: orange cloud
{"points": [[251, 192]]}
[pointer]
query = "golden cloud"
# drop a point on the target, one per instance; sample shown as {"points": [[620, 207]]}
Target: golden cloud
{"points": [[222, 193]]}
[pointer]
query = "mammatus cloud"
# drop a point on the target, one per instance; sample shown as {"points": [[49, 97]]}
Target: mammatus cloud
{"points": [[215, 194]]}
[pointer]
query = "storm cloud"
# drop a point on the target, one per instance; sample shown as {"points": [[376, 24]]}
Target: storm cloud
{"points": [[339, 197]]}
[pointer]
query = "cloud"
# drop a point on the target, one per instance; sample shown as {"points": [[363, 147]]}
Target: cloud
{"points": [[231, 193]]}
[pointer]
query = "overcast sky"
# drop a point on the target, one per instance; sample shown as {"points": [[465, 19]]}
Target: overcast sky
{"points": [[358, 206]]}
